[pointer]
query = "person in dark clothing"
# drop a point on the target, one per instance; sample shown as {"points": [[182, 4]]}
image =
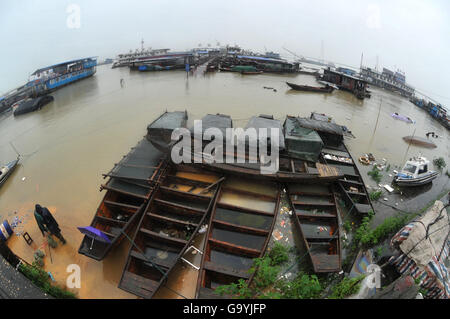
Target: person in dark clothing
{"points": [[47, 223]]}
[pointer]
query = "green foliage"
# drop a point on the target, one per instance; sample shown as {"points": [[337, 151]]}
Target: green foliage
{"points": [[375, 195], [347, 226], [266, 273], [346, 287], [239, 289], [304, 286], [388, 167], [41, 279], [439, 163], [279, 254], [375, 174]]}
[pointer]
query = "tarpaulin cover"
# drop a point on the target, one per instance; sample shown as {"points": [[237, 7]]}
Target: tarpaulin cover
{"points": [[320, 125], [258, 122], [219, 121], [302, 143], [423, 248]]}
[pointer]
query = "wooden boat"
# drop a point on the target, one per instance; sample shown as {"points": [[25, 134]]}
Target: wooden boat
{"points": [[131, 183], [316, 218], [307, 88], [251, 72], [31, 105], [6, 171], [419, 141], [290, 169], [351, 185], [415, 173], [159, 132], [178, 208], [239, 231]]}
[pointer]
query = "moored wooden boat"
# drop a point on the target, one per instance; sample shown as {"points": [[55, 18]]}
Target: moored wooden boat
{"points": [[159, 132], [316, 218], [251, 72], [178, 208], [6, 171], [307, 88], [131, 183], [352, 185], [239, 231]]}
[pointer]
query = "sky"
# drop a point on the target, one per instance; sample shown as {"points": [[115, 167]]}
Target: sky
{"points": [[411, 35]]}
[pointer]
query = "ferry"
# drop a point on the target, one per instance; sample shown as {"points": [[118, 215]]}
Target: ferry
{"points": [[415, 173], [50, 78]]}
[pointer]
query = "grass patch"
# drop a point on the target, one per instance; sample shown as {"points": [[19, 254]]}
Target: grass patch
{"points": [[375, 195], [375, 174], [439, 163], [346, 287], [42, 280]]}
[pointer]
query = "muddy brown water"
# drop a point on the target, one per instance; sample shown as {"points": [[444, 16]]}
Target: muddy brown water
{"points": [[91, 124]]}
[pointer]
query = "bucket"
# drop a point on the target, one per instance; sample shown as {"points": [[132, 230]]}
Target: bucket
{"points": [[5, 230]]}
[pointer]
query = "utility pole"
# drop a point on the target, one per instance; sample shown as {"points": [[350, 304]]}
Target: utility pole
{"points": [[360, 65]]}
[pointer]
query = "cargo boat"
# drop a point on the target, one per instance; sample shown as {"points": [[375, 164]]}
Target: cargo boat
{"points": [[240, 228], [180, 205], [307, 88]]}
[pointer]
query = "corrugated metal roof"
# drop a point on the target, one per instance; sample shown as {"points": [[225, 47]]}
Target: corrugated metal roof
{"points": [[261, 59]]}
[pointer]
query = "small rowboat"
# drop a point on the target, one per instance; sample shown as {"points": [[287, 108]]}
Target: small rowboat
{"points": [[307, 88], [251, 72], [7, 170]]}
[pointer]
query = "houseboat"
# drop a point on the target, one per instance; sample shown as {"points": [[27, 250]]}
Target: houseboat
{"points": [[50, 78], [346, 82]]}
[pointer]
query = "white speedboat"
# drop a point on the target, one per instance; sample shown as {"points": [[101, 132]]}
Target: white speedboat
{"points": [[416, 172], [6, 170]]}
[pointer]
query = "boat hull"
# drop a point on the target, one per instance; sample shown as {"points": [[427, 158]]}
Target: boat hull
{"points": [[411, 182], [308, 88], [9, 169]]}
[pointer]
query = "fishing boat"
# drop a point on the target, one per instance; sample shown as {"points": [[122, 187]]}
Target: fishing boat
{"points": [[316, 219], [6, 170], [174, 215], [131, 183], [159, 132], [416, 172], [239, 231], [307, 88]]}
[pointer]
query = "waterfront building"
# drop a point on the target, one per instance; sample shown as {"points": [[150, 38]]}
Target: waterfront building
{"points": [[389, 80], [346, 82]]}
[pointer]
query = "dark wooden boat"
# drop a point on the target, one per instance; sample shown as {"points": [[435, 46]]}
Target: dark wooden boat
{"points": [[351, 185], [31, 105], [178, 208], [315, 210], [159, 132], [6, 171], [131, 183], [290, 169], [251, 72], [239, 231], [307, 88]]}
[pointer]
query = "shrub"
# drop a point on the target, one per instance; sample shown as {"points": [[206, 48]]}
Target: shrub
{"points": [[375, 195], [278, 254], [304, 286], [439, 163], [346, 287], [375, 174]]}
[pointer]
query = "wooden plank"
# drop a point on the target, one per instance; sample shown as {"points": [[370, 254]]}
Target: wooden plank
{"points": [[103, 218], [325, 263], [161, 263], [327, 171], [226, 270], [103, 186], [295, 202], [242, 229], [182, 193], [194, 210], [163, 237], [300, 215], [138, 285], [171, 220], [235, 248], [212, 185], [112, 203], [244, 209]]}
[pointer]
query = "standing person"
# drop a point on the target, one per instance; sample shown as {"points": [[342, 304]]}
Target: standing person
{"points": [[47, 223]]}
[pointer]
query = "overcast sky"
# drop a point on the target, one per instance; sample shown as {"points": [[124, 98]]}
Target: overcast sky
{"points": [[412, 35]]}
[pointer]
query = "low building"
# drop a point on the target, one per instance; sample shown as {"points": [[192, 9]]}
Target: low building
{"points": [[346, 82]]}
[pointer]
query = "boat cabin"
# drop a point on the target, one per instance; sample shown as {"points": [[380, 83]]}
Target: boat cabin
{"points": [[416, 167], [346, 82]]}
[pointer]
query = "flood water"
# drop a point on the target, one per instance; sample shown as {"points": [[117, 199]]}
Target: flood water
{"points": [[91, 124]]}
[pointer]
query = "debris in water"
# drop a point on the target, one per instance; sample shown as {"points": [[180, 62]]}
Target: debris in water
{"points": [[277, 235], [203, 229]]}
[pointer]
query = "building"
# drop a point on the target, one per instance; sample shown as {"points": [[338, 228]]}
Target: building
{"points": [[389, 80]]}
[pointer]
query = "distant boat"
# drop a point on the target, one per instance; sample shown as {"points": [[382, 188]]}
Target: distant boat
{"points": [[32, 105], [403, 118], [415, 173], [6, 171], [251, 72], [419, 141], [307, 88]]}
